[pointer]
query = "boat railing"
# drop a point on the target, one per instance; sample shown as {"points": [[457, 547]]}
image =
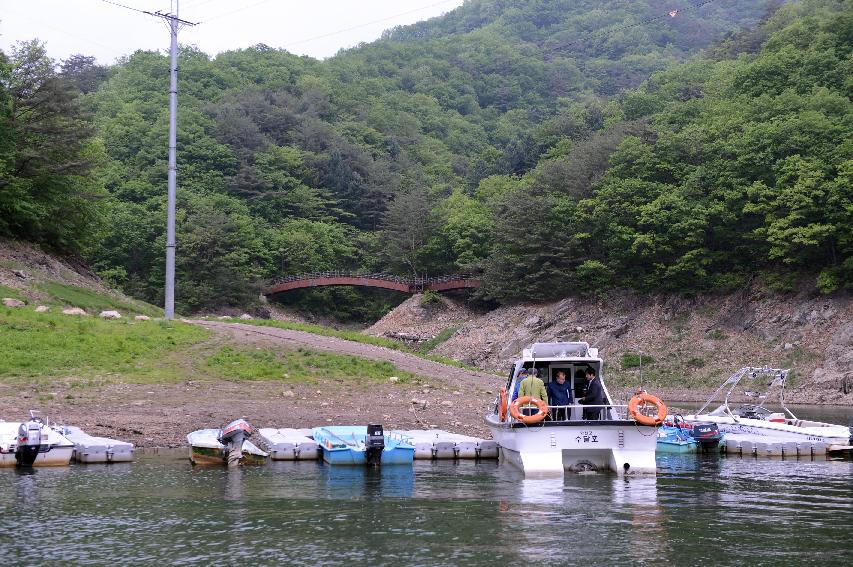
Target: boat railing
{"points": [[611, 411]]}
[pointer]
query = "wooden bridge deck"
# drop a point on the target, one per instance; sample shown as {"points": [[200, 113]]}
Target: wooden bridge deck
{"points": [[384, 281]]}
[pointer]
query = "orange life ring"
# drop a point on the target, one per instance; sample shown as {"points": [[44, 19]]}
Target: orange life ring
{"points": [[645, 398], [502, 404], [515, 412]]}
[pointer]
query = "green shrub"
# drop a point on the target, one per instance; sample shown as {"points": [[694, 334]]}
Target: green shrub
{"points": [[430, 298], [436, 340], [635, 360]]}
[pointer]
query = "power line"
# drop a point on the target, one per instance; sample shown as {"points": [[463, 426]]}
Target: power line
{"points": [[157, 14], [216, 17], [127, 7], [370, 23]]}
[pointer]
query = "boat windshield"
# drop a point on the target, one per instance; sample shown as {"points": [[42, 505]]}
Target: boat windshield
{"points": [[757, 385]]}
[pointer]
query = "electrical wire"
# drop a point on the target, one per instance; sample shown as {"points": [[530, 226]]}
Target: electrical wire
{"points": [[216, 17], [127, 7], [306, 40]]}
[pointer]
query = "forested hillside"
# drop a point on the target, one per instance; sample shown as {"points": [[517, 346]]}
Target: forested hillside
{"points": [[558, 146]]}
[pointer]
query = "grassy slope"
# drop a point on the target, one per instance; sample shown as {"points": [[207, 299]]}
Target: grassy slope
{"points": [[42, 349], [362, 338]]}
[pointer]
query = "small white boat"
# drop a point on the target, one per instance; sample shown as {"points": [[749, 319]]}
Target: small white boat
{"points": [[207, 449], [568, 441], [757, 420], [89, 449], [33, 443]]}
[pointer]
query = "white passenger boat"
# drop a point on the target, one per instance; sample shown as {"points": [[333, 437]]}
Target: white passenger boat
{"points": [[756, 419], [33, 443], [623, 439]]}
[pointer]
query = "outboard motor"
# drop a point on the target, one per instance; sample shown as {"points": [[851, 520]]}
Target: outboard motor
{"points": [[31, 440], [707, 434], [232, 437], [374, 444], [850, 428]]}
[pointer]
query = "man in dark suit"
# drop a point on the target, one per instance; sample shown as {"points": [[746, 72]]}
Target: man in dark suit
{"points": [[594, 396]]}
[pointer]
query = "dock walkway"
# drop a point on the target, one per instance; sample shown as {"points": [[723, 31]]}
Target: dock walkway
{"points": [[297, 445]]}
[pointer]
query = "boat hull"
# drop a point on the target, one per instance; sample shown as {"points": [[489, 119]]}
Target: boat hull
{"points": [[677, 447], [57, 457], [214, 456], [344, 456], [552, 449]]}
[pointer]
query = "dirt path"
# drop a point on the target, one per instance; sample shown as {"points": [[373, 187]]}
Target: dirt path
{"points": [[451, 375]]}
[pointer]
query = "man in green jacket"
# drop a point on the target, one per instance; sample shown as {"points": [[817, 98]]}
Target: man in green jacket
{"points": [[532, 386]]}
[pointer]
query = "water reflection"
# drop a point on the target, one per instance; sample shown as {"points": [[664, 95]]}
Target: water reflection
{"points": [[367, 482], [162, 510]]}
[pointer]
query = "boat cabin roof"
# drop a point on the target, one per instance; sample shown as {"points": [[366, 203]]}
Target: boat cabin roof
{"points": [[542, 352]]}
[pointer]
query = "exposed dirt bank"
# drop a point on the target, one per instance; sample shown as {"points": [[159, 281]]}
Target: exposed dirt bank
{"points": [[694, 343]]}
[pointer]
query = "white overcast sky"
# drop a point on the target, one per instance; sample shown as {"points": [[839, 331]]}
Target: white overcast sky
{"points": [[318, 28]]}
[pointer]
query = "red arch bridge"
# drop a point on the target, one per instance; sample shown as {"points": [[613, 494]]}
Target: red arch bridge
{"points": [[385, 281]]}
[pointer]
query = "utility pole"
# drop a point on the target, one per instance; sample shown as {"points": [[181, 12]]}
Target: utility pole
{"points": [[175, 24]]}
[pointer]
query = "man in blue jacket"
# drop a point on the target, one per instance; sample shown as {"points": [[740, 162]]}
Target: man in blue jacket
{"points": [[560, 394]]}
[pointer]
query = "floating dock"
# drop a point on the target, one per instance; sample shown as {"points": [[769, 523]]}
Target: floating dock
{"points": [[90, 449], [289, 444], [298, 445], [436, 444], [747, 445]]}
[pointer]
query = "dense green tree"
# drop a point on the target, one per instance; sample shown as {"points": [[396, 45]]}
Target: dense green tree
{"points": [[50, 187]]}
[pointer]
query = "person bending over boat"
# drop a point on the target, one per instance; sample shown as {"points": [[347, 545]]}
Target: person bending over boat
{"points": [[594, 396], [560, 394], [535, 387]]}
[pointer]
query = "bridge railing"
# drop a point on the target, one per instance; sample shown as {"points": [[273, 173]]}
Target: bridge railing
{"points": [[412, 281]]}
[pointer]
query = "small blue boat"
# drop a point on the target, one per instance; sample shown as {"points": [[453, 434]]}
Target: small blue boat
{"points": [[363, 445], [680, 437], [676, 440]]}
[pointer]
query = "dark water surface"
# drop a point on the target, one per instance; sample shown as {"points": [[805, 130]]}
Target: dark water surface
{"points": [[705, 510]]}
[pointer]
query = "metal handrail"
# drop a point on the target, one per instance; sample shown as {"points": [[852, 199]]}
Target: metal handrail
{"points": [[411, 280], [572, 406]]}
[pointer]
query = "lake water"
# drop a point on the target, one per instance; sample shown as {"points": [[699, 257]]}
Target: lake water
{"points": [[698, 510]]}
